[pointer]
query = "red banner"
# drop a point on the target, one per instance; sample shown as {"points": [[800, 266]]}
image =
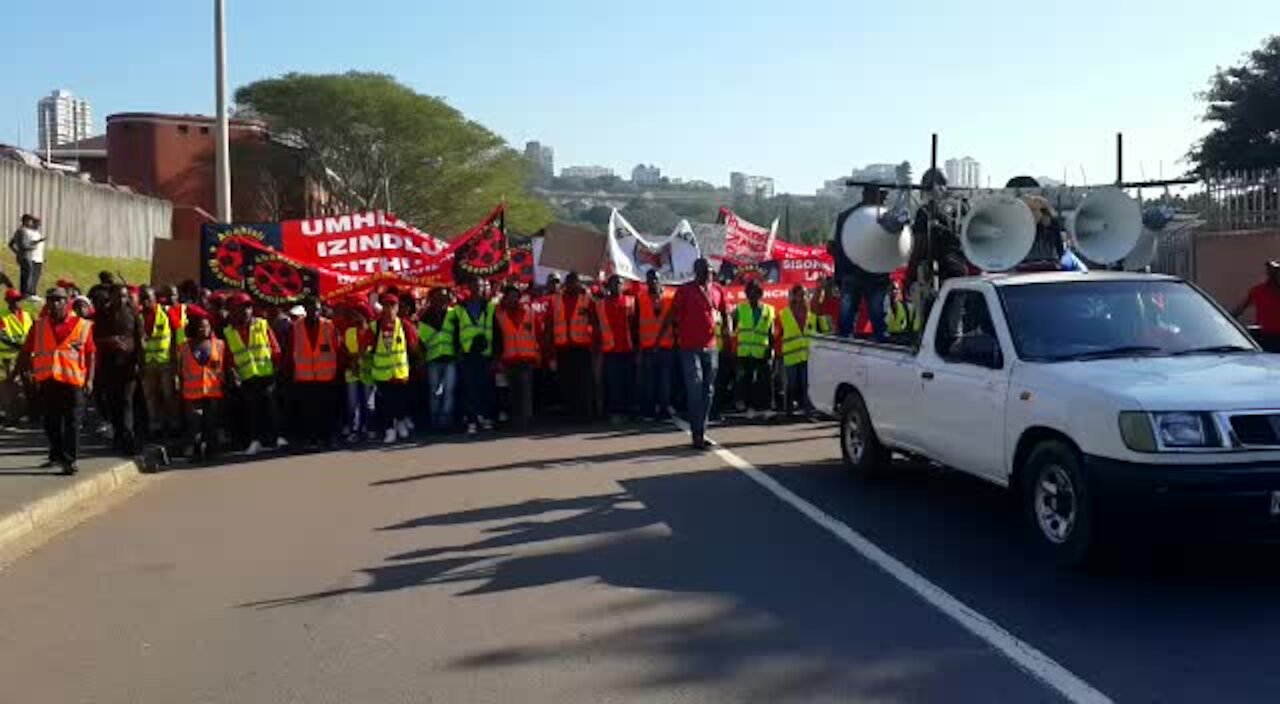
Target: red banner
{"points": [[801, 264], [360, 243], [745, 242]]}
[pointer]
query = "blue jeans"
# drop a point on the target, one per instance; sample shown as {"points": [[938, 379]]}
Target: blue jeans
{"points": [[477, 387], [655, 381], [358, 396], [619, 380], [852, 291], [798, 387], [442, 385], [699, 369]]}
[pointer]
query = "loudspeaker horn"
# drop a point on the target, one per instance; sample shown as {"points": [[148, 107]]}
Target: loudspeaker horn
{"points": [[997, 232], [1106, 227], [870, 246]]}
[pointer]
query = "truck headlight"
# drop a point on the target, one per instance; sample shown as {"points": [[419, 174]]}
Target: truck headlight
{"points": [[1177, 430]]}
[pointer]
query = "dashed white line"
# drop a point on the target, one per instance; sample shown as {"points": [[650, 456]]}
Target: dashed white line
{"points": [[1024, 655]]}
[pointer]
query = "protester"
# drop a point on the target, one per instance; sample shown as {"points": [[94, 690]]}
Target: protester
{"points": [[255, 356], [797, 325], [698, 312], [394, 347], [15, 325], [357, 364], [117, 335], [519, 351], [60, 353], [656, 341], [438, 330], [27, 244], [202, 365], [158, 370], [574, 324], [617, 322], [313, 366], [753, 331], [475, 318], [1264, 298]]}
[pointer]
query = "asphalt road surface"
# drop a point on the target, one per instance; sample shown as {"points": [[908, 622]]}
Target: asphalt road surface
{"points": [[607, 566]]}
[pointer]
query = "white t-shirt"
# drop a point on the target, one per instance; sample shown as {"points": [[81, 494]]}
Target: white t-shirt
{"points": [[32, 244]]}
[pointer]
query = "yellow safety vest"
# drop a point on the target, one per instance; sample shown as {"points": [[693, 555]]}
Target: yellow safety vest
{"points": [[795, 342], [13, 334], [390, 361], [439, 343], [753, 338], [181, 332], [254, 360], [156, 345], [468, 329]]}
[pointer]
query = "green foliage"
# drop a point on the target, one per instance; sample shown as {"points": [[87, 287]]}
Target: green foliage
{"points": [[371, 141], [1244, 102]]}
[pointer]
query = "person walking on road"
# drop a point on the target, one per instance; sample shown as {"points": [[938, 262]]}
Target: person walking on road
{"points": [[438, 329], [517, 345], [394, 344], [698, 312], [60, 353], [656, 342], [475, 317], [574, 324], [158, 366], [15, 325], [255, 356], [616, 315], [797, 325], [117, 334], [27, 244], [753, 331], [202, 365], [313, 365]]}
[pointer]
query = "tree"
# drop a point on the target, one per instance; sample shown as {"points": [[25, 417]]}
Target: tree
{"points": [[375, 143], [1244, 102]]}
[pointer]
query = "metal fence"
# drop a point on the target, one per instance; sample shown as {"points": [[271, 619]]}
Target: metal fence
{"points": [[1242, 200], [81, 217]]}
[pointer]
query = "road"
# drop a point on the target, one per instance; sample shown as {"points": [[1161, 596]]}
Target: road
{"points": [[604, 566]]}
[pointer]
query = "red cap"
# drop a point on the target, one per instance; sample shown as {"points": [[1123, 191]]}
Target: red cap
{"points": [[12, 295], [388, 299], [66, 283], [240, 298]]}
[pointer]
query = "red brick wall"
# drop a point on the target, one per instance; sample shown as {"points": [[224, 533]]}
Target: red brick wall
{"points": [[1227, 264]]}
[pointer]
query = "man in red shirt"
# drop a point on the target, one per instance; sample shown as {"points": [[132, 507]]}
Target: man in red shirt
{"points": [[1265, 301], [617, 320], [60, 353], [699, 313]]}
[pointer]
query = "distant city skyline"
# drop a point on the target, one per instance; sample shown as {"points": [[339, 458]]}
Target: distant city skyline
{"points": [[62, 118]]}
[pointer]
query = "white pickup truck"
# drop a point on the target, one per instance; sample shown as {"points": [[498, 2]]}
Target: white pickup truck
{"points": [[1108, 402]]}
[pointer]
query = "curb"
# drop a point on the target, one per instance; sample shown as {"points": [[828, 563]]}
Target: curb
{"points": [[21, 523]]}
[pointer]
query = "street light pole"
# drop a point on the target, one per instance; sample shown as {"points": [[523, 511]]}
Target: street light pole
{"points": [[222, 148]]}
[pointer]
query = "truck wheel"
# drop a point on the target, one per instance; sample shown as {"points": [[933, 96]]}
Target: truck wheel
{"points": [[862, 451], [1056, 504]]}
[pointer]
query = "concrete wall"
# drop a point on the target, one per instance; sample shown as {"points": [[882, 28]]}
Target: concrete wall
{"points": [[81, 217], [1228, 264]]}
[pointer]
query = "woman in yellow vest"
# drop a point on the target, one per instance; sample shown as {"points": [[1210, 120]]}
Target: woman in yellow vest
{"points": [[394, 343], [201, 372], [255, 354], [438, 331], [797, 325], [753, 331], [14, 327]]}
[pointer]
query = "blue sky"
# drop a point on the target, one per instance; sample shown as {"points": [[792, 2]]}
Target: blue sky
{"points": [[801, 91]]}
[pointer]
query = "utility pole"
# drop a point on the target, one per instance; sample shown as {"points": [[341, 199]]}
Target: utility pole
{"points": [[222, 148]]}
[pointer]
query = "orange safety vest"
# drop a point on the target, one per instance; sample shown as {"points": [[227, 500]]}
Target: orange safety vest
{"points": [[575, 330], [317, 362], [651, 333], [608, 337], [519, 339], [203, 381], [63, 363]]}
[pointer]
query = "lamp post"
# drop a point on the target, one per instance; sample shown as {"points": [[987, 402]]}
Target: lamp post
{"points": [[222, 148]]}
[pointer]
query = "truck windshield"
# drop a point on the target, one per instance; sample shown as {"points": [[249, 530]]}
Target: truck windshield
{"points": [[1065, 321]]}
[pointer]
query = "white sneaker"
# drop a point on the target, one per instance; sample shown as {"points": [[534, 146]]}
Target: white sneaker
{"points": [[402, 428], [471, 428], [408, 423], [486, 424], [281, 442], [254, 448], [390, 438]]}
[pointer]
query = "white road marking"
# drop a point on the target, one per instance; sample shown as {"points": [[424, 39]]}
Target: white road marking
{"points": [[1024, 655]]}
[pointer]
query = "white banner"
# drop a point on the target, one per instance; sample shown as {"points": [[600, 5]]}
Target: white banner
{"points": [[632, 256]]}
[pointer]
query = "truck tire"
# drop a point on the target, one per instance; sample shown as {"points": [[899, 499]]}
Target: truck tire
{"points": [[863, 454], [1057, 506]]}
